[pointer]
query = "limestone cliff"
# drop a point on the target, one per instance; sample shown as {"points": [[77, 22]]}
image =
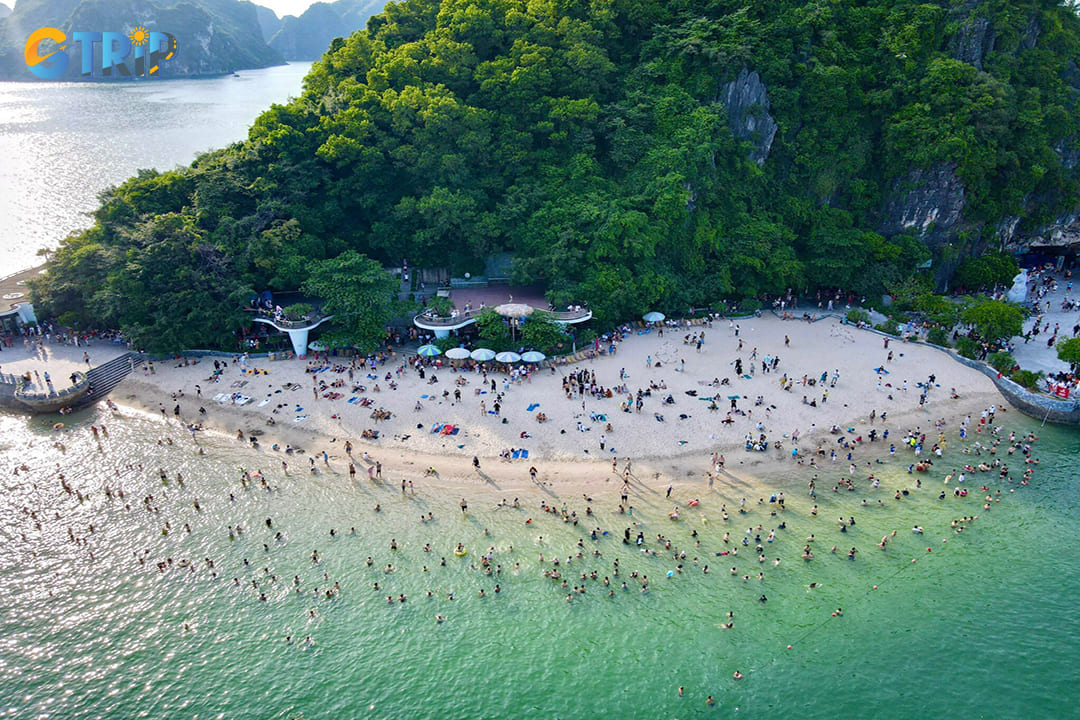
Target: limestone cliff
{"points": [[747, 104]]}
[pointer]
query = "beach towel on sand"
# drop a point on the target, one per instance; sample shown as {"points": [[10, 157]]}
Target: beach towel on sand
{"points": [[532, 407]]}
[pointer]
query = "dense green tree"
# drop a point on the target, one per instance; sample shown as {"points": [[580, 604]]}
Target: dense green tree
{"points": [[539, 331], [1069, 351], [493, 331], [593, 141], [986, 271], [359, 293], [995, 319]]}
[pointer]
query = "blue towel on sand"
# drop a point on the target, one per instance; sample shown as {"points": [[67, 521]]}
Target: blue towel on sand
{"points": [[532, 407]]}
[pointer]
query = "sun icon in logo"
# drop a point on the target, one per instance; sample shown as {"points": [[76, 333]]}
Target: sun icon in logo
{"points": [[138, 35]]}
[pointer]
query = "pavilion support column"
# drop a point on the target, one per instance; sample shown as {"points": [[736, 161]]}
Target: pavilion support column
{"points": [[299, 341]]}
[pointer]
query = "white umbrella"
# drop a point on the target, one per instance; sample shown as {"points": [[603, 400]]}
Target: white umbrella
{"points": [[458, 353], [317, 347], [508, 357], [514, 310], [653, 316], [532, 356], [482, 354], [428, 351]]}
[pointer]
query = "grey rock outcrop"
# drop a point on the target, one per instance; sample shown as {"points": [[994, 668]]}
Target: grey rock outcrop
{"points": [[974, 41], [747, 103], [1031, 34], [1064, 232], [1068, 153], [928, 203]]}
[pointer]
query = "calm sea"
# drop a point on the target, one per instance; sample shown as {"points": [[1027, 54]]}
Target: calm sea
{"points": [[63, 143], [985, 626]]}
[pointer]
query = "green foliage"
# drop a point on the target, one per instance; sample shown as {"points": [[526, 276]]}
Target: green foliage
{"points": [[446, 343], [442, 306], [967, 347], [907, 293], [889, 326], [857, 315], [591, 140], [1029, 379], [1069, 351], [297, 311], [493, 331], [750, 305], [540, 332], [938, 336], [986, 271], [938, 309], [994, 319], [359, 293], [1003, 362]]}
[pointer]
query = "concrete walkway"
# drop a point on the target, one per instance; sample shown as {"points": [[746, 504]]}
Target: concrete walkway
{"points": [[1036, 355]]}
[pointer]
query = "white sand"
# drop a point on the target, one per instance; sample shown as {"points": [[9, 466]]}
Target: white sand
{"points": [[677, 447]]}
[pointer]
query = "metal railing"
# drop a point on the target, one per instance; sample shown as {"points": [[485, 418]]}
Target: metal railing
{"points": [[310, 319], [431, 321]]}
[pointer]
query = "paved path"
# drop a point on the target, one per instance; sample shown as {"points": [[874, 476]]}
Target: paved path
{"points": [[1036, 355]]}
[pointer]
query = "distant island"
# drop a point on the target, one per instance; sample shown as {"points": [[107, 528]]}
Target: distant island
{"points": [[308, 36], [214, 36]]}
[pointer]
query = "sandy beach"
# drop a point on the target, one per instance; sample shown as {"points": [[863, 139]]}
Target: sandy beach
{"points": [[566, 449]]}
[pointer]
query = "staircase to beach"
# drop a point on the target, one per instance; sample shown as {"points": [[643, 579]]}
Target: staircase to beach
{"points": [[104, 378]]}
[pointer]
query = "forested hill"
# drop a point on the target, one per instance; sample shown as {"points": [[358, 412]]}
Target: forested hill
{"points": [[633, 154], [306, 37]]}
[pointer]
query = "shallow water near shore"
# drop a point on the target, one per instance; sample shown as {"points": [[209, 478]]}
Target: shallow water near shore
{"points": [[984, 625]]}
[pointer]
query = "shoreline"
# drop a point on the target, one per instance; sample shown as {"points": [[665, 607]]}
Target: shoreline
{"points": [[406, 450]]}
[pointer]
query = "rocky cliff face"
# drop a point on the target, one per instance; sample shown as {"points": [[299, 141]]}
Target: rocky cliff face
{"points": [[269, 22], [927, 203], [974, 41], [747, 103], [1063, 232], [307, 37]]}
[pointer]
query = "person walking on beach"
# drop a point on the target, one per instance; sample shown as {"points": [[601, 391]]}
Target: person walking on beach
{"points": [[464, 506]]}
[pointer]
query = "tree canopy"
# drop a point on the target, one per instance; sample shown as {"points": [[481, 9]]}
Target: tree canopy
{"points": [[1069, 351], [595, 141], [359, 293], [995, 319]]}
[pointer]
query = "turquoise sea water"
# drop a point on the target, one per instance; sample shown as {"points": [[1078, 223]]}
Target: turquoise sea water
{"points": [[986, 625]]}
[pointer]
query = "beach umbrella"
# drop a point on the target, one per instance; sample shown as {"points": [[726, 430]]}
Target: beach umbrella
{"points": [[482, 354], [428, 351], [458, 353], [514, 310], [508, 357], [653, 316], [317, 347], [533, 357]]}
